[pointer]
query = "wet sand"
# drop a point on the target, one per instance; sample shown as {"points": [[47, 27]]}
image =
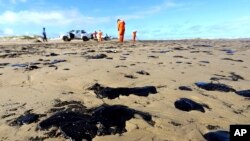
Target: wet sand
{"points": [[35, 76]]}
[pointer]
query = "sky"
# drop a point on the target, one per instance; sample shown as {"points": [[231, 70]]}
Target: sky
{"points": [[152, 19]]}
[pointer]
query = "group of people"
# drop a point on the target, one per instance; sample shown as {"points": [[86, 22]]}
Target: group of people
{"points": [[121, 32], [98, 35]]}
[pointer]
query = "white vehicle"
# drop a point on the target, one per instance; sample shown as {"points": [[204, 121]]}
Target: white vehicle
{"points": [[76, 34]]}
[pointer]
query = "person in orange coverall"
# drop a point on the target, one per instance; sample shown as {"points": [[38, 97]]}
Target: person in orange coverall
{"points": [[99, 36], [134, 36], [121, 29]]}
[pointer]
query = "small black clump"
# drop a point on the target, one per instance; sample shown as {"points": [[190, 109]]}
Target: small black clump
{"points": [[130, 76], [185, 88], [56, 61], [142, 72], [25, 119], [185, 104], [4, 64], [212, 127], [235, 77], [98, 56], [230, 59]]}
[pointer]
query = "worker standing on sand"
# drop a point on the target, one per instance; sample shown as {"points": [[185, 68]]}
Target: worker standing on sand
{"points": [[44, 35], [121, 29], [134, 36], [99, 36], [95, 35]]}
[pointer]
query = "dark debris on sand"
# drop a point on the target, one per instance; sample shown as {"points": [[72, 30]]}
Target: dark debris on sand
{"points": [[142, 72], [214, 87], [98, 56], [205, 62], [222, 88], [4, 64], [70, 106], [175, 123], [120, 66], [230, 59], [37, 138], [89, 123], [202, 45], [32, 67], [179, 56], [130, 76], [185, 88], [10, 55], [152, 56], [161, 51], [245, 93], [7, 115], [217, 136], [229, 51], [56, 61], [112, 51], [27, 66], [112, 93], [213, 127], [235, 77], [25, 119], [179, 48], [52, 54], [185, 104], [20, 65]]}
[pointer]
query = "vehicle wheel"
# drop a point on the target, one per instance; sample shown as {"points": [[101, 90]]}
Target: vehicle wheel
{"points": [[65, 38], [85, 38], [71, 35]]}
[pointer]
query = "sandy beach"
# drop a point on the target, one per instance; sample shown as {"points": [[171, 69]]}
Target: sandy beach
{"points": [[36, 76]]}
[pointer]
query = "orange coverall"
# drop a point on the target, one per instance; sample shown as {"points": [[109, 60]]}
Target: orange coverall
{"points": [[134, 36], [121, 30], [99, 36]]}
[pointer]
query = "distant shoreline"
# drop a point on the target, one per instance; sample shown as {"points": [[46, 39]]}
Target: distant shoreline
{"points": [[32, 37]]}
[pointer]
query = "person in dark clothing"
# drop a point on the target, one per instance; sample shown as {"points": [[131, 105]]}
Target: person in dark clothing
{"points": [[44, 36]]}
